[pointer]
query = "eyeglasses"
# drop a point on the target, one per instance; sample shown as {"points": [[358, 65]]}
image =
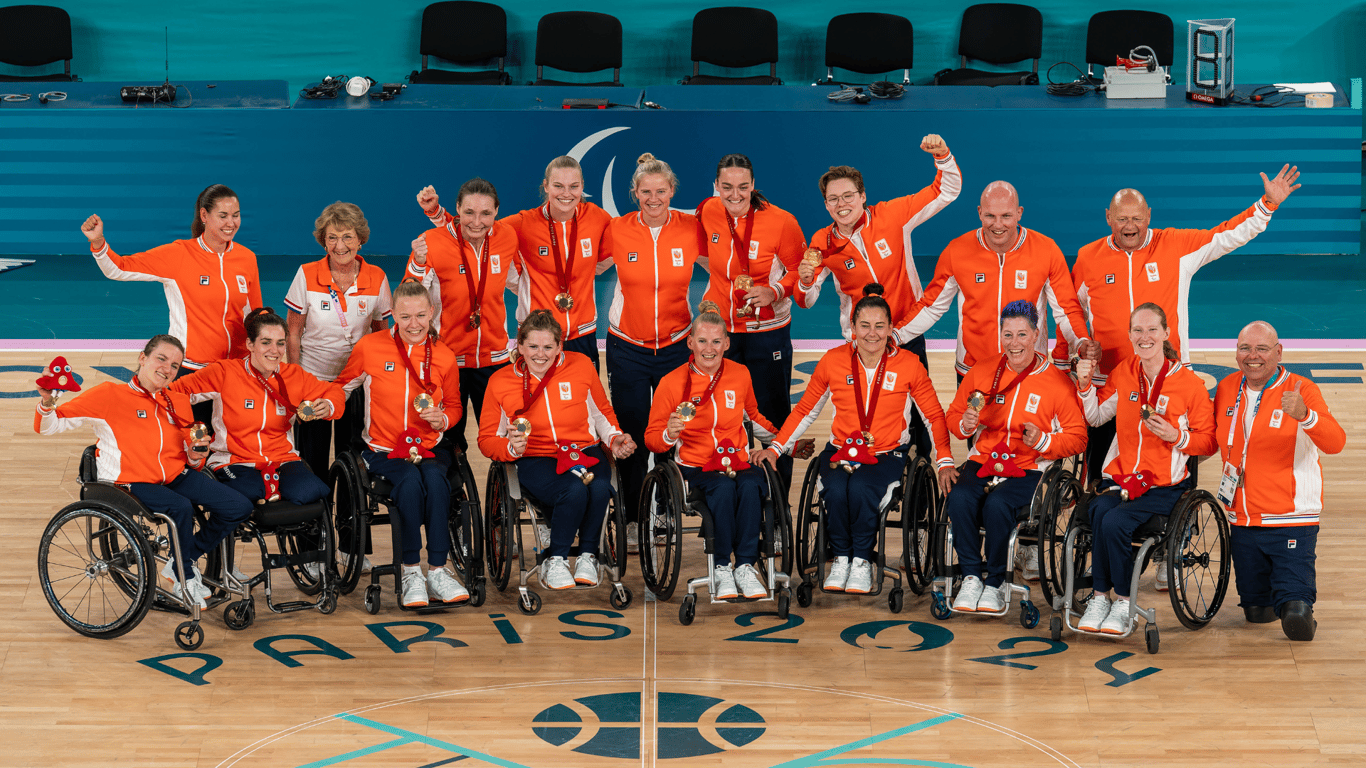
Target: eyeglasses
{"points": [[847, 198], [345, 239], [1244, 349]]}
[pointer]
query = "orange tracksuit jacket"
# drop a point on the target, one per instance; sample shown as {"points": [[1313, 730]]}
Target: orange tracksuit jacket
{"points": [[209, 294], [1184, 403], [541, 285], [249, 426], [879, 251], [1284, 478], [1111, 282], [138, 440], [389, 388], [444, 276], [654, 271], [984, 281], [905, 385], [722, 417], [775, 250], [573, 406], [1047, 398]]}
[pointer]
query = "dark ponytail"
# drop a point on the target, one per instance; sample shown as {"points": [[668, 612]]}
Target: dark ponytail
{"points": [[205, 202], [872, 299], [260, 318], [757, 201]]}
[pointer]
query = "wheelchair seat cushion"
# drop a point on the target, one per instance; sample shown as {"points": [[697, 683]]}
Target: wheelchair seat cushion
{"points": [[1153, 526], [277, 513]]}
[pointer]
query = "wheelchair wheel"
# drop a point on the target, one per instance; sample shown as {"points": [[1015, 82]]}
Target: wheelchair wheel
{"points": [[465, 521], [661, 535], [294, 543], [614, 539], [1078, 558], [500, 522], [1059, 503], [806, 527], [1198, 557], [919, 502], [96, 569], [782, 523], [348, 502]]}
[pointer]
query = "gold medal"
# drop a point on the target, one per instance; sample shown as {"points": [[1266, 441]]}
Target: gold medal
{"points": [[977, 400], [474, 320], [868, 438], [725, 462], [198, 431], [744, 283], [1147, 411], [564, 301], [812, 257], [307, 411], [521, 426], [686, 412], [423, 401]]}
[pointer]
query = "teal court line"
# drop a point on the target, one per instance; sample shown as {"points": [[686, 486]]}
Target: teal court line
{"points": [[405, 737], [820, 758]]}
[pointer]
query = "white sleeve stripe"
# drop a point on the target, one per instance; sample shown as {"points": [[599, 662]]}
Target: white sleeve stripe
{"points": [[806, 422]]}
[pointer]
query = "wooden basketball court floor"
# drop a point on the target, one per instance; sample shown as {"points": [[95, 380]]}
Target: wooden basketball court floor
{"points": [[843, 682]]}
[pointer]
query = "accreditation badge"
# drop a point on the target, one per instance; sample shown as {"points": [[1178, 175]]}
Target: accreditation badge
{"points": [[1228, 485]]}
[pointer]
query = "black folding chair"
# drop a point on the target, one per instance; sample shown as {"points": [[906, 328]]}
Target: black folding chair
{"points": [[870, 44], [35, 35], [997, 33], [463, 32], [734, 37], [578, 41]]}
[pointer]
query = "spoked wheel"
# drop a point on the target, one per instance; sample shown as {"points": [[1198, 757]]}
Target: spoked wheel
{"points": [[1198, 557], [500, 518], [298, 542], [466, 523], [782, 523], [661, 531], [347, 501], [917, 516], [810, 563], [1060, 501], [189, 635], [614, 538], [96, 569], [1077, 557]]}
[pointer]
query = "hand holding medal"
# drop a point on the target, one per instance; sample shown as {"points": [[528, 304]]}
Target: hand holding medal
{"points": [[742, 285], [519, 432], [199, 437], [973, 415], [811, 261]]}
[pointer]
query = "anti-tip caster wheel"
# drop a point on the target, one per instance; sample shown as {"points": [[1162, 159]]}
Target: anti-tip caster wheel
{"points": [[189, 636], [939, 607], [804, 592], [529, 604], [372, 599], [620, 598], [688, 610], [896, 599]]}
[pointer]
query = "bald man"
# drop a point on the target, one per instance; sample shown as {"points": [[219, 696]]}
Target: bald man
{"points": [[1272, 425], [990, 267], [1136, 264]]}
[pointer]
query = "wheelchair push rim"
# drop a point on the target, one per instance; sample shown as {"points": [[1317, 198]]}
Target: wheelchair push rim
{"points": [[500, 521], [1199, 559], [96, 570], [919, 506], [465, 521], [348, 499], [660, 537]]}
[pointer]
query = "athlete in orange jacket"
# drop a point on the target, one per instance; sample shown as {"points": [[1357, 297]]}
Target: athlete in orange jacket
{"points": [[548, 413], [467, 265], [653, 252], [255, 401], [1272, 425], [713, 454], [141, 433], [412, 396], [987, 269], [874, 386], [211, 282], [1025, 415], [560, 245], [1163, 416], [1135, 265]]}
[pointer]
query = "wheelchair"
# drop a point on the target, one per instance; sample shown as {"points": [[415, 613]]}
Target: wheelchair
{"points": [[1194, 539], [905, 505], [359, 495], [508, 507], [98, 562], [1037, 524], [666, 498]]}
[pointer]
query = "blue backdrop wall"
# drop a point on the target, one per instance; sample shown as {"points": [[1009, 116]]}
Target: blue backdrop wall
{"points": [[301, 41]]}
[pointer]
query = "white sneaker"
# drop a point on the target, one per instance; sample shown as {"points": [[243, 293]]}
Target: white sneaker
{"points": [[1161, 584], [555, 573], [414, 587], [345, 559], [632, 538], [443, 587], [1029, 562], [1097, 611], [586, 570], [723, 583], [839, 575], [1117, 623], [994, 599], [314, 571], [543, 536], [747, 580], [860, 577], [191, 592], [969, 594], [197, 585]]}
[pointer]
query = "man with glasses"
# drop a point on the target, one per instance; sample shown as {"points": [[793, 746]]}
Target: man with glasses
{"points": [[872, 244], [1272, 426]]}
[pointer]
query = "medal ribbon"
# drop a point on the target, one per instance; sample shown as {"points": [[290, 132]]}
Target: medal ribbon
{"points": [[1143, 394], [426, 383], [830, 248], [706, 394], [529, 397], [865, 419], [476, 295], [281, 397], [564, 272], [165, 402], [1014, 382], [741, 246]]}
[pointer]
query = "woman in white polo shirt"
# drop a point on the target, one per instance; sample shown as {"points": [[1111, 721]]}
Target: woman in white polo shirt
{"points": [[333, 302]]}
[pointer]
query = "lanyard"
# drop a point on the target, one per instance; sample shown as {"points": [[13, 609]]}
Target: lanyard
{"points": [[865, 418], [711, 386], [165, 402], [1143, 395], [529, 397], [476, 295], [425, 383], [1237, 404], [281, 397], [741, 246], [1014, 382], [564, 271]]}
